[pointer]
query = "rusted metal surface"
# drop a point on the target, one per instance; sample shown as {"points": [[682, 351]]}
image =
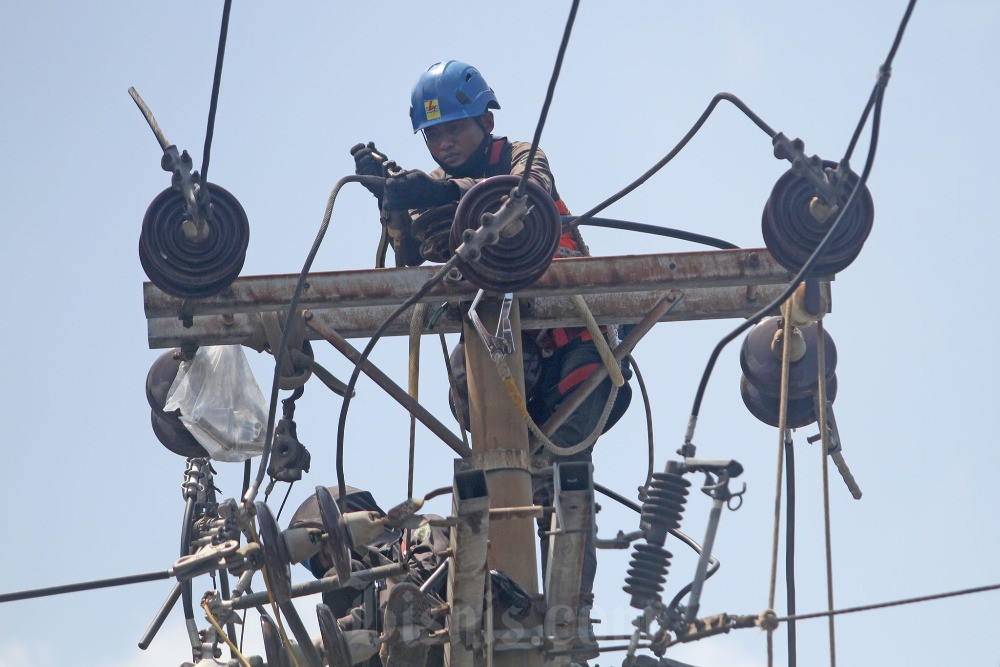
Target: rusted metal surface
{"points": [[716, 285], [391, 388], [583, 275]]}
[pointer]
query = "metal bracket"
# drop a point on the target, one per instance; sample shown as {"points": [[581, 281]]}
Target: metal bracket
{"points": [[500, 344]]}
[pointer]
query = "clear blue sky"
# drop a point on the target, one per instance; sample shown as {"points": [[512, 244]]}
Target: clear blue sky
{"points": [[89, 492]]}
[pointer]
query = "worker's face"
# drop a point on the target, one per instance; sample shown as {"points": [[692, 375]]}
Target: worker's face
{"points": [[453, 143]]}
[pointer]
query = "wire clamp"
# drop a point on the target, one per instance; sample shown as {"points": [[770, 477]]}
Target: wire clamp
{"points": [[500, 344]]}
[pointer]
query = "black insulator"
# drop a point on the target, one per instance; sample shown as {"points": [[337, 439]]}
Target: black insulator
{"points": [[519, 259], [334, 641], [276, 558], [432, 229], [167, 426], [664, 505], [274, 648], [187, 268], [760, 385], [760, 359], [792, 231], [647, 572]]}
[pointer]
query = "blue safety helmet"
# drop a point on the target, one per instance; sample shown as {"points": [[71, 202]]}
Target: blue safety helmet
{"points": [[449, 91]]}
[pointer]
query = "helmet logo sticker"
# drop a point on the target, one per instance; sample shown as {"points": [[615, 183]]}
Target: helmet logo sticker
{"points": [[431, 109]]}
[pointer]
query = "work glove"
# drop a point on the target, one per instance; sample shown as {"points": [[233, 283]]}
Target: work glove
{"points": [[369, 162], [415, 189]]}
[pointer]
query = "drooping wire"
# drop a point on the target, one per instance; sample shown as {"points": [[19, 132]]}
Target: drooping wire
{"points": [[878, 94], [352, 383], [279, 355], [609, 223], [803, 272], [728, 97], [216, 82], [549, 93], [651, 450]]}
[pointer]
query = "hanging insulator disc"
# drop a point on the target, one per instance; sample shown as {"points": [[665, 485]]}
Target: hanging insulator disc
{"points": [[274, 647], [167, 426], [763, 369], [519, 259], [800, 412], [792, 233], [337, 545], [191, 269], [433, 229], [334, 641], [276, 559]]}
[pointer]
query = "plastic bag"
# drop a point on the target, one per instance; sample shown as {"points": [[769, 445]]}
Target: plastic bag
{"points": [[220, 403]]}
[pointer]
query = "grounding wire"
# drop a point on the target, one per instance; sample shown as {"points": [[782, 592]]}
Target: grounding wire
{"points": [[728, 97], [549, 93], [610, 223], [216, 82], [279, 356]]}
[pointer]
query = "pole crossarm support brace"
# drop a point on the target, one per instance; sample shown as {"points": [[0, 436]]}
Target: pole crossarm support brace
{"points": [[716, 284]]}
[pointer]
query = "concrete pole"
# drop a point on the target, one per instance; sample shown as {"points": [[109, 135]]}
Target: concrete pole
{"points": [[496, 426]]}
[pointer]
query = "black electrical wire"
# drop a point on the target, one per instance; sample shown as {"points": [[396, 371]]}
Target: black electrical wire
{"points": [[626, 225], [279, 355], [648, 408], [342, 422], [187, 594], [549, 93], [728, 97], [790, 544], [879, 94], [216, 82], [883, 72]]}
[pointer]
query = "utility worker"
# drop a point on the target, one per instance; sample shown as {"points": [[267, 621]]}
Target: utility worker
{"points": [[452, 105]]}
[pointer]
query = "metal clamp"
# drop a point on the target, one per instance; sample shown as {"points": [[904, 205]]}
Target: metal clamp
{"points": [[500, 344]]}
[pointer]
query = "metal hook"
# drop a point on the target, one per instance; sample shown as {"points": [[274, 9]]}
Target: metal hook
{"points": [[500, 344]]}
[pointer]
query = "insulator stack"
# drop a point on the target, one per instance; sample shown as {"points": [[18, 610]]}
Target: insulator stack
{"points": [[661, 512], [647, 572], [664, 505]]}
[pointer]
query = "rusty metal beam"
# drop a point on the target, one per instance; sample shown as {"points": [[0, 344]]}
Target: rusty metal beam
{"points": [[716, 284]]}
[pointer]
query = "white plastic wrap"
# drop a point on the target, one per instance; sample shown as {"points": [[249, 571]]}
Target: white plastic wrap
{"points": [[220, 403]]}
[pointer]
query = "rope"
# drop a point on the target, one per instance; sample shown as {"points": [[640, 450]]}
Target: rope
{"points": [[782, 427], [558, 450], [416, 324], [821, 380], [607, 356], [218, 628]]}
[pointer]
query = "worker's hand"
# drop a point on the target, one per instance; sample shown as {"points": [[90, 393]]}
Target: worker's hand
{"points": [[369, 162], [415, 189]]}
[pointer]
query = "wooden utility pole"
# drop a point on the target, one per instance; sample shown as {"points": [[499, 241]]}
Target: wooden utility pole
{"points": [[500, 447]]}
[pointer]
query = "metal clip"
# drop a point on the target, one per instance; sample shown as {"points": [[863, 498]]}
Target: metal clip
{"points": [[500, 344]]}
